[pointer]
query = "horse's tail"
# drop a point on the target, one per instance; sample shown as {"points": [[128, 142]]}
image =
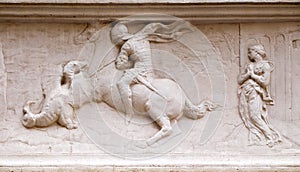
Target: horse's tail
{"points": [[196, 112], [41, 119]]}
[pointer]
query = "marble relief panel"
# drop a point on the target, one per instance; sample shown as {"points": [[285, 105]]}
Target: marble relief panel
{"points": [[35, 62]]}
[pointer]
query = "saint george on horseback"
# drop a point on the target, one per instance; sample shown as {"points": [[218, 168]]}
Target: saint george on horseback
{"points": [[134, 57]]}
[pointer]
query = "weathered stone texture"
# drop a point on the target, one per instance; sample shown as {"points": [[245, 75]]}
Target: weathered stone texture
{"points": [[34, 55], [31, 65], [3, 80]]}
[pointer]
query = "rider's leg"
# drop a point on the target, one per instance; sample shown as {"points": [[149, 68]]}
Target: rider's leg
{"points": [[126, 95]]}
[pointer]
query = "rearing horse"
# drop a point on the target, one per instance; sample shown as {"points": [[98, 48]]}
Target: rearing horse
{"points": [[162, 109]]}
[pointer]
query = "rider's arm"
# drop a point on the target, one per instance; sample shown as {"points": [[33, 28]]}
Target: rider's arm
{"points": [[123, 61], [125, 51]]}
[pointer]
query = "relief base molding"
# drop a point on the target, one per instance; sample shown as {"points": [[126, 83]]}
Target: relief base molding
{"points": [[199, 163], [109, 12]]}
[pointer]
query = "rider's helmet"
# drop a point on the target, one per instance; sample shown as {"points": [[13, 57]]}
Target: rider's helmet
{"points": [[119, 33]]}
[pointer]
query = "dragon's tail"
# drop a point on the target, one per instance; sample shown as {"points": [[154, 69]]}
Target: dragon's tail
{"points": [[28, 119], [41, 119]]}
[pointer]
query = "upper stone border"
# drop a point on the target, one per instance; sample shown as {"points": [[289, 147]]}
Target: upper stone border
{"points": [[146, 1], [108, 12]]}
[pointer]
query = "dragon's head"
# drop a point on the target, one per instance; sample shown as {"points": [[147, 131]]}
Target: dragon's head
{"points": [[74, 67]]}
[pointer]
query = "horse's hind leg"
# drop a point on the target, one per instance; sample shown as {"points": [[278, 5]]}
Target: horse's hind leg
{"points": [[165, 130], [163, 121]]}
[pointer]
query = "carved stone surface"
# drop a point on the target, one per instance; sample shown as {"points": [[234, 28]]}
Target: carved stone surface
{"points": [[3, 80], [198, 12], [33, 55]]}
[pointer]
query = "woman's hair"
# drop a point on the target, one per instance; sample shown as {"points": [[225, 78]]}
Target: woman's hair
{"points": [[259, 49]]}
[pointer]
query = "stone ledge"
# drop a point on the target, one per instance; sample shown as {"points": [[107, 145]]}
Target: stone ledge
{"points": [[202, 163], [107, 12]]}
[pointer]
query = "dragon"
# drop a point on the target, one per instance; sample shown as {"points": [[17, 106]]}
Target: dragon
{"points": [[58, 106]]}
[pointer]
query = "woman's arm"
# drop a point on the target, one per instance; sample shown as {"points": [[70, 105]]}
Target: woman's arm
{"points": [[264, 79], [245, 75]]}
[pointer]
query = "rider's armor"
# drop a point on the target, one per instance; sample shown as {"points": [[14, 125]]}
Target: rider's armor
{"points": [[138, 50]]}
